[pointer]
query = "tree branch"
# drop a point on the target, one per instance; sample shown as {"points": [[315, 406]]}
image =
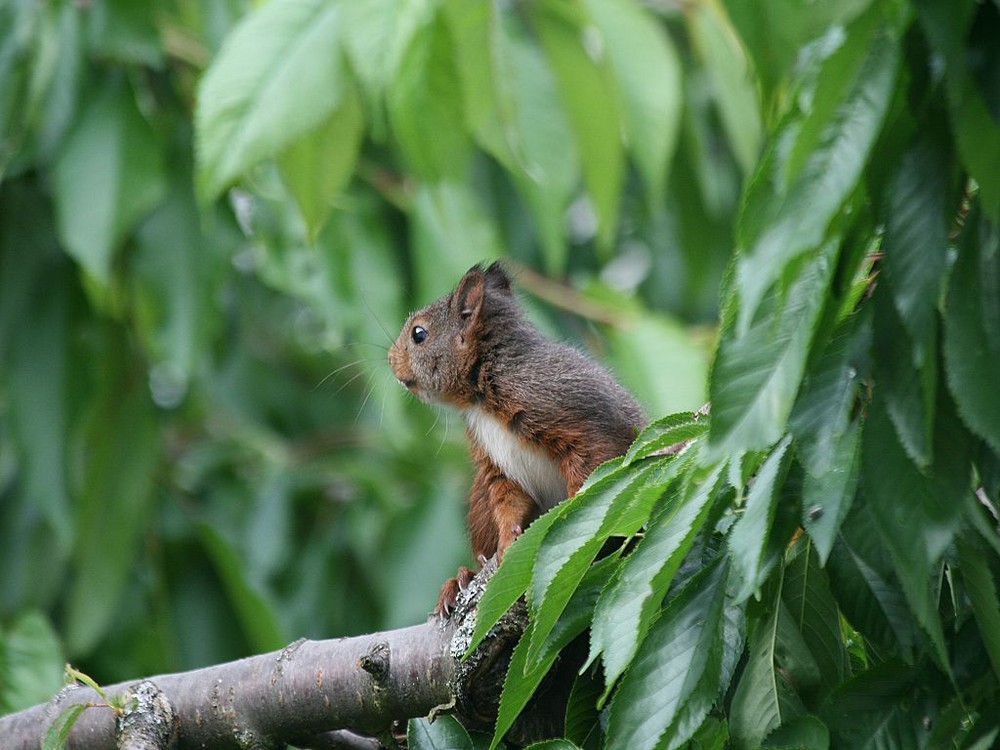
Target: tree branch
{"points": [[290, 696], [340, 694]]}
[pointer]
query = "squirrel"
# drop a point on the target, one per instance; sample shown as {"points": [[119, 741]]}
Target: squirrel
{"points": [[540, 415]]}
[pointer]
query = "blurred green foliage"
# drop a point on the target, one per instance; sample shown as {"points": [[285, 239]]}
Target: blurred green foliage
{"points": [[214, 216], [203, 453]]}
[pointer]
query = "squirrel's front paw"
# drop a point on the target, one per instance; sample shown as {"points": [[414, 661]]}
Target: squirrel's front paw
{"points": [[449, 592], [507, 538]]}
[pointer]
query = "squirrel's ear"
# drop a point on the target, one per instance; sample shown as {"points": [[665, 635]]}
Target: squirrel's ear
{"points": [[497, 278], [468, 295]]}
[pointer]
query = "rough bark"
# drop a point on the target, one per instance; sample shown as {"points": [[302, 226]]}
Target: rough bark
{"points": [[147, 719]]}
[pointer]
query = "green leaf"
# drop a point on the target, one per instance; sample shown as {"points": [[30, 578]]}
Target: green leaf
{"points": [[514, 575], [552, 745], [972, 329], [380, 32], [767, 697], [775, 31], [705, 694], [126, 31], [973, 103], [756, 374], [650, 345], [667, 431], [525, 673], [279, 75], [123, 448], [512, 107], [961, 32], [74, 675], [748, 541], [919, 202], [984, 739], [866, 590], [683, 646], [918, 531], [713, 734], [31, 662], [806, 593], [108, 174], [803, 733], [583, 720], [908, 386], [981, 586], [648, 71], [872, 710], [444, 733], [57, 734], [176, 273], [827, 499], [789, 208], [579, 610], [735, 95], [587, 90], [822, 412], [256, 614], [38, 378], [629, 603], [450, 233], [618, 505], [319, 164], [30, 47], [424, 100]]}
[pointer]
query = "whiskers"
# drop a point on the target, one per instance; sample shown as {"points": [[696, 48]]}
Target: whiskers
{"points": [[363, 367], [388, 336], [444, 434], [373, 374], [334, 373]]}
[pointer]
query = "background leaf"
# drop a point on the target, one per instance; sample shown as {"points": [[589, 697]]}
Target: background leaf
{"points": [[115, 501], [108, 175], [425, 105], [651, 106], [333, 147], [216, 216], [31, 662], [279, 75], [578, 61]]}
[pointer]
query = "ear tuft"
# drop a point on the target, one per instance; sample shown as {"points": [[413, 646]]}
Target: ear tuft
{"points": [[497, 278]]}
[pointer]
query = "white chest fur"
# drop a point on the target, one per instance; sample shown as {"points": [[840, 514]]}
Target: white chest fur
{"points": [[525, 464]]}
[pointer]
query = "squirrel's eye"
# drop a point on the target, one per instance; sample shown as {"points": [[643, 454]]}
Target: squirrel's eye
{"points": [[418, 334]]}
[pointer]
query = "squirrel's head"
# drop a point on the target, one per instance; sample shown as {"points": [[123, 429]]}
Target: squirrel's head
{"points": [[438, 353]]}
